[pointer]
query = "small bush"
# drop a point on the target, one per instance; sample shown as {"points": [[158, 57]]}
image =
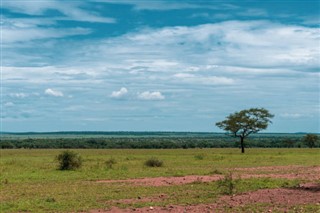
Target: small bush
{"points": [[227, 185], [110, 162], [153, 162], [69, 160], [216, 172], [50, 200], [199, 157], [6, 181]]}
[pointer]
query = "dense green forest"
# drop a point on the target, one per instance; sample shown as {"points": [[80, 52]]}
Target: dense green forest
{"points": [[144, 140]]}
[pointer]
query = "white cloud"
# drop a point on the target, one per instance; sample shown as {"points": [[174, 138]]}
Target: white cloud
{"points": [[21, 33], [161, 5], [33, 28], [53, 92], [147, 95], [246, 44], [210, 80], [18, 95], [119, 94], [70, 9], [184, 75], [41, 75], [232, 43]]}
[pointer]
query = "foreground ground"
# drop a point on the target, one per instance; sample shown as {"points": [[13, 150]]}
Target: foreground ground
{"points": [[193, 180]]}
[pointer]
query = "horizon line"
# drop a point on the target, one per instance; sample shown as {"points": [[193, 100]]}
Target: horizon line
{"points": [[131, 131]]}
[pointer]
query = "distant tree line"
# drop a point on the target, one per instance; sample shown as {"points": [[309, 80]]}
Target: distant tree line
{"points": [[217, 141]]}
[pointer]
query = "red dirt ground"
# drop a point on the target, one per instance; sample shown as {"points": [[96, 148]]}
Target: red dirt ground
{"points": [[289, 172], [274, 199]]}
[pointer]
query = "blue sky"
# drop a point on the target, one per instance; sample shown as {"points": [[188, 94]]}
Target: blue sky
{"points": [[109, 65]]}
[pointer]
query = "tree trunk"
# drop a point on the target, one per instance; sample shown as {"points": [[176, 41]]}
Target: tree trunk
{"points": [[242, 144]]}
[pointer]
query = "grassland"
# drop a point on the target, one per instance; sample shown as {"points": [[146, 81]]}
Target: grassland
{"points": [[30, 181]]}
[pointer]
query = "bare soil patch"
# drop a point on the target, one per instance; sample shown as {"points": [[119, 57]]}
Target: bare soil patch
{"points": [[288, 172], [166, 181], [304, 194], [140, 200], [275, 199], [280, 199]]}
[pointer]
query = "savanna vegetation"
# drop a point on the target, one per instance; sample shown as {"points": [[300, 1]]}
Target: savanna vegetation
{"points": [[31, 179], [62, 172], [150, 140]]}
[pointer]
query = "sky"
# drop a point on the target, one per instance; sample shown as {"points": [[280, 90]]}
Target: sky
{"points": [[165, 65]]}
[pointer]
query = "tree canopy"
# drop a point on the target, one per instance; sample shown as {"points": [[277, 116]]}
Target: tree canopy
{"points": [[311, 140], [242, 124]]}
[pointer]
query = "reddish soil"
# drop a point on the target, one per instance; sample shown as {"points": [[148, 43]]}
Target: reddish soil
{"points": [[289, 172], [273, 199], [140, 200], [165, 181]]}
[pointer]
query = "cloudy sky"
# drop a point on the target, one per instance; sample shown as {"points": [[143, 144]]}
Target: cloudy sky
{"points": [[108, 65]]}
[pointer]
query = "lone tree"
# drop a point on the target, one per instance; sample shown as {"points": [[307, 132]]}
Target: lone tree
{"points": [[310, 140], [242, 124]]}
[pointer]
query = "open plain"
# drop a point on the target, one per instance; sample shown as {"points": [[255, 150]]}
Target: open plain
{"points": [[190, 180]]}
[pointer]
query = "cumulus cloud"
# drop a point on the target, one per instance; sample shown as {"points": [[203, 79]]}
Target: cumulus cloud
{"points": [[53, 92], [147, 95], [119, 94]]}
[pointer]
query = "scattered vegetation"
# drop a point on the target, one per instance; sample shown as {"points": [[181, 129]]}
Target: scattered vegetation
{"points": [[50, 200], [227, 184], [216, 172], [153, 162], [110, 162], [39, 187], [69, 160], [199, 157]]}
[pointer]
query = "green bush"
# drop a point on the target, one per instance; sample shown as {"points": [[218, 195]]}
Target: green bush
{"points": [[154, 162], [216, 172], [110, 162], [227, 185], [199, 157], [69, 160]]}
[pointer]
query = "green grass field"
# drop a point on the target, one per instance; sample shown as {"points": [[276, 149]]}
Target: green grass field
{"points": [[31, 182]]}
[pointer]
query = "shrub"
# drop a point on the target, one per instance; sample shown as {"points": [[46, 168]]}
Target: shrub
{"points": [[69, 160], [227, 185], [50, 200], [153, 162], [216, 172], [199, 157], [110, 162]]}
